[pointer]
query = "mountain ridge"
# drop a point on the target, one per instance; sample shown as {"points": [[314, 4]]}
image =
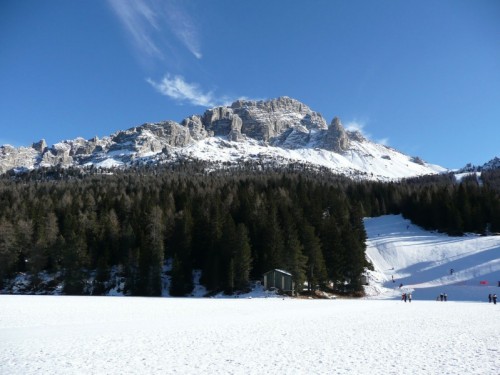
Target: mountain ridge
{"points": [[281, 130]]}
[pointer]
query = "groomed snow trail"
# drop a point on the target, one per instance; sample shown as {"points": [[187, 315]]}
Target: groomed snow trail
{"points": [[113, 335]]}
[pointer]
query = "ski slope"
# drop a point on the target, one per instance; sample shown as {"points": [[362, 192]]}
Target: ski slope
{"points": [[423, 262]]}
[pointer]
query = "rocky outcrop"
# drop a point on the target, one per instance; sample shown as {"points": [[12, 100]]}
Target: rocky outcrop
{"points": [[58, 154], [265, 120], [235, 133], [39, 146], [355, 136], [492, 164], [12, 157], [218, 120], [196, 129], [80, 146], [417, 160], [336, 138], [152, 137]]}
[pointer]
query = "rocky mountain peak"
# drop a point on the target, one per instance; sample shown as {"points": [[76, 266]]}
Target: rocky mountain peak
{"points": [[492, 164], [264, 131], [268, 119], [39, 146], [281, 104]]}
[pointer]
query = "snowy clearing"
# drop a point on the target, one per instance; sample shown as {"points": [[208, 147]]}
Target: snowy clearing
{"points": [[113, 335]]}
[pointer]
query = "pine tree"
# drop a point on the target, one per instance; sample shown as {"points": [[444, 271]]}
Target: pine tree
{"points": [[296, 261], [181, 244], [8, 253], [316, 270], [242, 258]]}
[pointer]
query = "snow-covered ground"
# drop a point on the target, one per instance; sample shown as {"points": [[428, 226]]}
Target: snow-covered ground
{"points": [[428, 264], [116, 335]]}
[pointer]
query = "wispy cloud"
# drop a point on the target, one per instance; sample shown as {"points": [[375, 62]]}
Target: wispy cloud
{"points": [[356, 125], [140, 21], [177, 88], [148, 20], [183, 27], [359, 126], [383, 141]]}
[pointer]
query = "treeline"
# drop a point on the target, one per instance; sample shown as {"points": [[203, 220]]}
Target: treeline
{"points": [[440, 203], [232, 224]]}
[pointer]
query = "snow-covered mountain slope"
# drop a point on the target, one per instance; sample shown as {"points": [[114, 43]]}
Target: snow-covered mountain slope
{"points": [[428, 263], [277, 132]]}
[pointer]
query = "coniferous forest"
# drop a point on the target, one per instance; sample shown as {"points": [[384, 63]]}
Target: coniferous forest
{"points": [[231, 224]]}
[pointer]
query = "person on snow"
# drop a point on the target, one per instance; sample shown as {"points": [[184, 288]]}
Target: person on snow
{"points": [[445, 297], [441, 297], [489, 298], [403, 297], [494, 299], [409, 297]]}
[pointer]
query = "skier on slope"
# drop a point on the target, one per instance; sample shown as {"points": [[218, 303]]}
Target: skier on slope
{"points": [[494, 299]]}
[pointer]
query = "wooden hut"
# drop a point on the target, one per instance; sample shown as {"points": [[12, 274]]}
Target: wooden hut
{"points": [[279, 279]]}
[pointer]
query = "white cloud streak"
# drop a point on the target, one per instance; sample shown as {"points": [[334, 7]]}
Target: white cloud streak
{"points": [[140, 21], [383, 141], [355, 126], [177, 88], [359, 126], [147, 20], [183, 27]]}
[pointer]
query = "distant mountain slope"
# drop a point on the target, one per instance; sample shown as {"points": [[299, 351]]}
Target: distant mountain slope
{"points": [[422, 261], [276, 132]]}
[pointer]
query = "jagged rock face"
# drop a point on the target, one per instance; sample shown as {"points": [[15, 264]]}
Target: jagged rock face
{"points": [[264, 120], [196, 129], [12, 157], [336, 138], [58, 154], [39, 146], [355, 136], [152, 137], [218, 120], [80, 146], [492, 164], [235, 133]]}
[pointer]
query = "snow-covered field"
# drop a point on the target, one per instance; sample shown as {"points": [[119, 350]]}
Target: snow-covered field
{"points": [[114, 335], [379, 334]]}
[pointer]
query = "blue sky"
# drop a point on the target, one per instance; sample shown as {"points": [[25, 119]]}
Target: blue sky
{"points": [[421, 76]]}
